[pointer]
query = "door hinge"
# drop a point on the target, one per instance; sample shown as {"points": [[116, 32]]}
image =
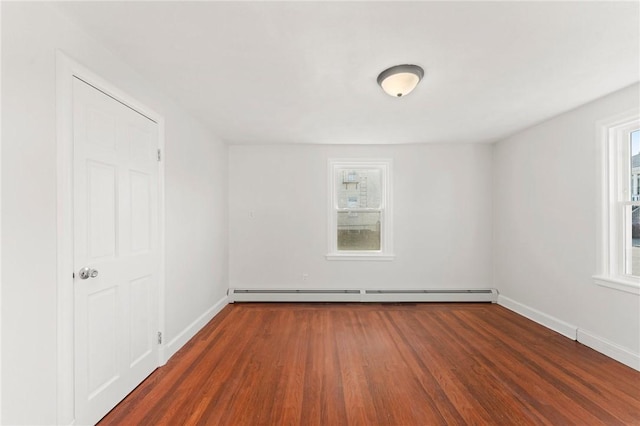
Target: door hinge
{"points": [[159, 337], [159, 155]]}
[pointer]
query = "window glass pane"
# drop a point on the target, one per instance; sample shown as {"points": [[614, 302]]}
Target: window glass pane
{"points": [[633, 246], [358, 188], [358, 231], [635, 166]]}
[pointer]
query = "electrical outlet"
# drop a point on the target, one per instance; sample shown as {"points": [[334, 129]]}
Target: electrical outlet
{"points": [[305, 276]]}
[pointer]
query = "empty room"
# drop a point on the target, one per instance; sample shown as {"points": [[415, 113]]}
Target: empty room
{"points": [[320, 213]]}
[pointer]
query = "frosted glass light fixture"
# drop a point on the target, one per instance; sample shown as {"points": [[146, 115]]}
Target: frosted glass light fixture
{"points": [[400, 80]]}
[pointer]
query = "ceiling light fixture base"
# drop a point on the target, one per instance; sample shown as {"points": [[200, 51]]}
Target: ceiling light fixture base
{"points": [[400, 80]]}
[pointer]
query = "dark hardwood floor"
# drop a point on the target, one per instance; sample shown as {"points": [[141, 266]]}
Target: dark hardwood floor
{"points": [[382, 364]]}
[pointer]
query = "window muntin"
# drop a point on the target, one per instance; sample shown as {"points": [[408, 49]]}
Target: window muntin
{"points": [[360, 214]]}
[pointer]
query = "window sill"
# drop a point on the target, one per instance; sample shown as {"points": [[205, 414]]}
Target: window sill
{"points": [[628, 285], [352, 256]]}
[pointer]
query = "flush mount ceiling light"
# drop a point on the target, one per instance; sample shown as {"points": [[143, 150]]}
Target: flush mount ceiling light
{"points": [[400, 80]]}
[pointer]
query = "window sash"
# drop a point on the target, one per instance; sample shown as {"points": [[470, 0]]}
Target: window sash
{"points": [[622, 168], [336, 169], [623, 253], [378, 228], [615, 242]]}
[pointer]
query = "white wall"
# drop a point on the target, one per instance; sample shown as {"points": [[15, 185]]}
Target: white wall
{"points": [[0, 228], [442, 216], [196, 185], [545, 221], [196, 225]]}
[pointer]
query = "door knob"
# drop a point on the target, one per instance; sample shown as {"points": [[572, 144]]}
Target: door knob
{"points": [[88, 273]]}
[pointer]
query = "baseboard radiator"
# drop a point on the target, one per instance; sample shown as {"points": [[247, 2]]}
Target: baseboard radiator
{"points": [[361, 295]]}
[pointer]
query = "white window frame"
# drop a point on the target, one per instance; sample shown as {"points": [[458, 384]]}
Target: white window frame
{"points": [[386, 218], [614, 177]]}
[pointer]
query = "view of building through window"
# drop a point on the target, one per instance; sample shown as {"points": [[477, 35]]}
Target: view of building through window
{"points": [[359, 199], [634, 215]]}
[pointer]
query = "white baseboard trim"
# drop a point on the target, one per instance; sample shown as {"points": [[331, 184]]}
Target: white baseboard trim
{"points": [[185, 335], [553, 323], [610, 349]]}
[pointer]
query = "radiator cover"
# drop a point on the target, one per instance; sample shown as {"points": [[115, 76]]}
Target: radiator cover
{"points": [[489, 295]]}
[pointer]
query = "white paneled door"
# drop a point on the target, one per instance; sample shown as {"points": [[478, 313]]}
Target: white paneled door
{"points": [[116, 250]]}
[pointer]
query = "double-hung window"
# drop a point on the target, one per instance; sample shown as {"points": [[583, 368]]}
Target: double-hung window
{"points": [[620, 229], [360, 215]]}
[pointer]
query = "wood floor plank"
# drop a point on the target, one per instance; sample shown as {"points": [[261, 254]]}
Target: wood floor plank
{"points": [[533, 400], [381, 364], [356, 390], [571, 388], [447, 360]]}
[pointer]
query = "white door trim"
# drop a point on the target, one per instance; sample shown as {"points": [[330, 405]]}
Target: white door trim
{"points": [[66, 70]]}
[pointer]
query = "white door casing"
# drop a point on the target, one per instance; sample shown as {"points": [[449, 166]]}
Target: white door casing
{"points": [[67, 69], [115, 235]]}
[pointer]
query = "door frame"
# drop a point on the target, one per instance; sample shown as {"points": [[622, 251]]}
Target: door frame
{"points": [[66, 70]]}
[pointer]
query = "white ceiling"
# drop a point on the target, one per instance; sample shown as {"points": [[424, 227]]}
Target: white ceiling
{"points": [[305, 72]]}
